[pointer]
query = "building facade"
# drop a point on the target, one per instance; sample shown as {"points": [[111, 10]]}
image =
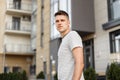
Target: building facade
{"points": [[16, 53], [107, 34]]}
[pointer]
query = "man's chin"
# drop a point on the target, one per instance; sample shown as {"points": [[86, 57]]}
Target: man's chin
{"points": [[60, 31]]}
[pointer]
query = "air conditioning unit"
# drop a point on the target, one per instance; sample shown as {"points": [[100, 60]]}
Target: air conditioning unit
{"points": [[26, 18]]}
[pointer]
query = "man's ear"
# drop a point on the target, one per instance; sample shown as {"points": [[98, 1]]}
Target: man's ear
{"points": [[69, 22]]}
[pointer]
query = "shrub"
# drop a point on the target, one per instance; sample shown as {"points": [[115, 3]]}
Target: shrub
{"points": [[13, 76], [90, 74], [113, 72], [41, 75], [24, 75]]}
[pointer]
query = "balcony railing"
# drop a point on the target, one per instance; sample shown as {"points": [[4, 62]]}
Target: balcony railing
{"points": [[23, 26], [18, 48], [22, 6]]}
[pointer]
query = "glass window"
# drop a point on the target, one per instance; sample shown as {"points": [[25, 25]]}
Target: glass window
{"points": [[115, 41], [17, 4], [16, 69], [32, 69], [6, 69], [16, 23], [113, 9]]}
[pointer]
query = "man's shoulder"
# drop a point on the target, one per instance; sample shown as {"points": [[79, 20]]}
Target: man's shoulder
{"points": [[73, 33]]}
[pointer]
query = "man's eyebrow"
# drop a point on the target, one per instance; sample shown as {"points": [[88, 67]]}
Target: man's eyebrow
{"points": [[56, 20]]}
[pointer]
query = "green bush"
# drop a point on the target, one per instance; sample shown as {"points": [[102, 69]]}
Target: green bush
{"points": [[41, 75], [13, 76], [90, 74], [113, 72], [24, 75]]}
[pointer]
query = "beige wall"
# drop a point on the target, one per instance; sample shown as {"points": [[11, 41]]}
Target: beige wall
{"points": [[46, 39], [17, 39], [101, 40], [1, 63], [2, 24], [17, 61], [12, 61]]}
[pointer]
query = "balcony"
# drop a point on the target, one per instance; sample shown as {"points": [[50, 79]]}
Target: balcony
{"points": [[18, 49], [22, 8], [115, 57], [22, 28]]}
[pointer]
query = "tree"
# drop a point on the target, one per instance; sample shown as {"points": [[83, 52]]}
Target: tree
{"points": [[41, 75], [113, 72]]}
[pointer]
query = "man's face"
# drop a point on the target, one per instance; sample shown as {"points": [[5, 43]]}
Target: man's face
{"points": [[62, 23]]}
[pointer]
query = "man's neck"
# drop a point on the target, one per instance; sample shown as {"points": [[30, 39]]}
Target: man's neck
{"points": [[65, 33]]}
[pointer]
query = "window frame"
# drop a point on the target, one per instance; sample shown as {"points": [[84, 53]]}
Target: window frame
{"points": [[112, 36], [6, 69], [111, 10], [16, 69], [112, 22]]}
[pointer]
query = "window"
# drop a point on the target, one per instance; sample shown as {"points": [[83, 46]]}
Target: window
{"points": [[6, 69], [16, 23], [17, 4], [89, 53], [16, 69], [113, 14], [115, 41], [32, 69], [113, 9]]}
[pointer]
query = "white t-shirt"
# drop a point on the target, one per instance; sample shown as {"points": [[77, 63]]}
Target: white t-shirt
{"points": [[65, 56]]}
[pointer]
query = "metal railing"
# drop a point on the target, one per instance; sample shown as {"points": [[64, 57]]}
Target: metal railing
{"points": [[23, 26], [21, 6], [21, 48]]}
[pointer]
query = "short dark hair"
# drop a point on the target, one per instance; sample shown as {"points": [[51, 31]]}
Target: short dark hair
{"points": [[61, 12]]}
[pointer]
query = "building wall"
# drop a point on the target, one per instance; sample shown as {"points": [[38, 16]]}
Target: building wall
{"points": [[101, 40], [13, 37], [1, 62], [43, 51], [83, 15], [18, 61], [17, 39], [2, 18], [2, 24]]}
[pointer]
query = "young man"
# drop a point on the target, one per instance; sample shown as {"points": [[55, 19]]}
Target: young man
{"points": [[70, 53]]}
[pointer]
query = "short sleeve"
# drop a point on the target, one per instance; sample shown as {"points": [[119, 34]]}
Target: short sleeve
{"points": [[75, 40]]}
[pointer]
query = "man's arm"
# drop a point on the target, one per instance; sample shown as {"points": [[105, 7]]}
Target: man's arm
{"points": [[79, 63]]}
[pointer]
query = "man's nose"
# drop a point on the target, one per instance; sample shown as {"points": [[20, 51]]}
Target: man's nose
{"points": [[59, 22]]}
